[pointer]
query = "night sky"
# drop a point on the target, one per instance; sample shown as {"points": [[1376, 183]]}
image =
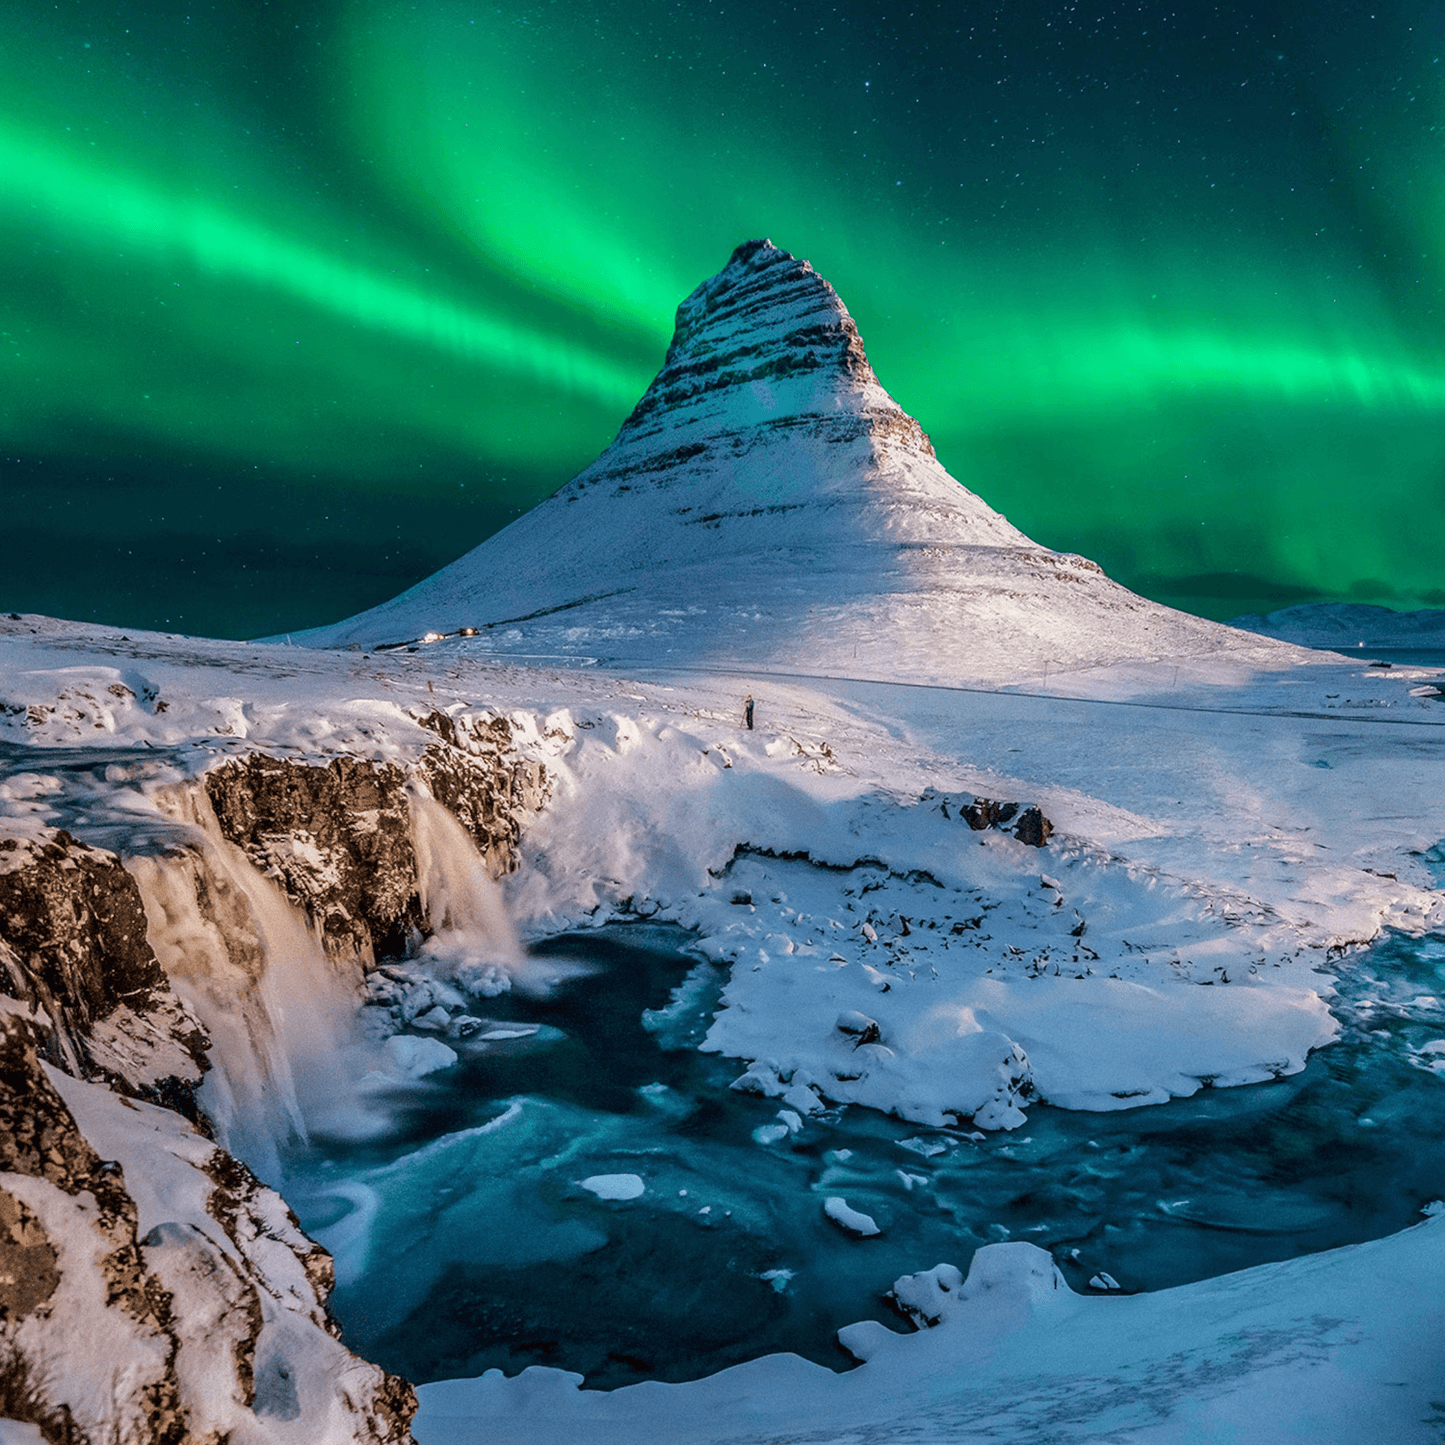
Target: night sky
{"points": [[300, 301]]}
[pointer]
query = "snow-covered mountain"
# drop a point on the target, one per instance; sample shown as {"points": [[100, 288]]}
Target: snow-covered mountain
{"points": [[1349, 625], [768, 502]]}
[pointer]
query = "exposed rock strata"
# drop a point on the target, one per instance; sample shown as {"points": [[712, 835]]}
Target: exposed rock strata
{"points": [[73, 948], [337, 837]]}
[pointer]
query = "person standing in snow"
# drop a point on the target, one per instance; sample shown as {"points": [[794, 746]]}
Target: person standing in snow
{"points": [[748, 712]]}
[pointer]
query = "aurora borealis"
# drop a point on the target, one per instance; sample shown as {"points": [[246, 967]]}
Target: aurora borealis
{"points": [[301, 301]]}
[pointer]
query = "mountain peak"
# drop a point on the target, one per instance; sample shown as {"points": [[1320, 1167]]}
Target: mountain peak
{"points": [[759, 285], [768, 318]]}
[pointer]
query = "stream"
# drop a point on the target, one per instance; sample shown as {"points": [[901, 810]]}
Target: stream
{"points": [[592, 1195]]}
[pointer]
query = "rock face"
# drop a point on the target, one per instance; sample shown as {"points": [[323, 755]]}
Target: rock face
{"points": [[126, 1235], [170, 1264], [768, 502], [73, 949], [337, 837], [1034, 829]]}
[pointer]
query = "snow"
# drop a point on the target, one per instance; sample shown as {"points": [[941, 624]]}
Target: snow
{"points": [[614, 1186], [767, 449], [1203, 878], [853, 1220], [1340, 1348], [13, 1432], [1196, 840], [413, 1058]]}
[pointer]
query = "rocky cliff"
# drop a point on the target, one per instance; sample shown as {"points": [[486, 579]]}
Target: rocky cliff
{"points": [[73, 950], [337, 836], [151, 1288]]}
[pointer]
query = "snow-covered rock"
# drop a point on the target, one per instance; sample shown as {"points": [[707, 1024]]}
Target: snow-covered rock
{"points": [[149, 1284], [845, 1217], [152, 1289], [414, 1058]]}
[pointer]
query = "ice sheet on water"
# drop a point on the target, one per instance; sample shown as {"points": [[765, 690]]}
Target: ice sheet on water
{"points": [[614, 1186], [684, 1022]]}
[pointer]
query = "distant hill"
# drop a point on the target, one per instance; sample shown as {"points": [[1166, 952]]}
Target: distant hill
{"points": [[1345, 625]]}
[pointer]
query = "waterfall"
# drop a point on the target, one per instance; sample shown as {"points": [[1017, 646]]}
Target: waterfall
{"points": [[473, 944], [280, 1014], [473, 941], [288, 1057]]}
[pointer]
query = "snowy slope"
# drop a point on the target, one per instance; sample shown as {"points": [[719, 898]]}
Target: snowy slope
{"points": [[1201, 829], [1224, 834], [1339, 1349], [768, 502]]}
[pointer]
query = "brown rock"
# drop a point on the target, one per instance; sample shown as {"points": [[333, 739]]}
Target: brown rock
{"points": [[28, 1276], [76, 932], [1033, 828], [337, 837], [986, 813]]}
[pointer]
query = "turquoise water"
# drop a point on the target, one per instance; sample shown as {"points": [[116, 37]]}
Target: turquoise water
{"points": [[465, 1239]]}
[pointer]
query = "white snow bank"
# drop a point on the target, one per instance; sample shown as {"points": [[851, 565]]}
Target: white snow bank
{"points": [[881, 952], [1345, 1348]]}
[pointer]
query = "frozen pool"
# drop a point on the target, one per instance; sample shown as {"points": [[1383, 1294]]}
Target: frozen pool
{"points": [[594, 1196]]}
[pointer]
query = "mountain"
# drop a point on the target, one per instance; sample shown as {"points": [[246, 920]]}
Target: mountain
{"points": [[767, 502], [1347, 625]]}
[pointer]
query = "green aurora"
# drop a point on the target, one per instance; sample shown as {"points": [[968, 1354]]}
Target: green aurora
{"points": [[302, 301]]}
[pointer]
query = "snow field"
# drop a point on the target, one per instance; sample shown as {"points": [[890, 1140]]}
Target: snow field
{"points": [[1193, 843]]}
